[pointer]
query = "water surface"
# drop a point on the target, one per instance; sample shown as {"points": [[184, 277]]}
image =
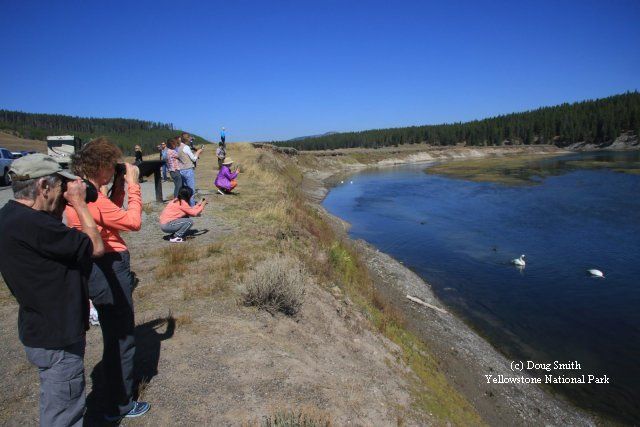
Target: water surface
{"points": [[460, 236]]}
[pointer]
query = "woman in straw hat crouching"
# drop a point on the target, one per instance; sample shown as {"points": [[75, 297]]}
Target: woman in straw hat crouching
{"points": [[226, 180]]}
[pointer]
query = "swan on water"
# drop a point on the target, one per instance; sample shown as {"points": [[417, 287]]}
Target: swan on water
{"points": [[341, 182], [595, 273], [518, 261]]}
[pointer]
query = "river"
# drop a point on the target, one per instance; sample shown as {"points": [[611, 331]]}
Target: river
{"points": [[567, 215]]}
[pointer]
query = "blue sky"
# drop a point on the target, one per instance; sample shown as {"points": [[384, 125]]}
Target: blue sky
{"points": [[280, 69]]}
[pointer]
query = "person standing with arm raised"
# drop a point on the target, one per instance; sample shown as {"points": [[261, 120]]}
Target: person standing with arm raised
{"points": [[46, 265], [111, 283]]}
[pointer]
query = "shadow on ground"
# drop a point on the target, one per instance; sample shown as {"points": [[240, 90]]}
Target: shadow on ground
{"points": [[189, 234], [149, 337]]}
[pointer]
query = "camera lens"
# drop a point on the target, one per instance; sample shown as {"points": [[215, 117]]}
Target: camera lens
{"points": [[91, 193]]}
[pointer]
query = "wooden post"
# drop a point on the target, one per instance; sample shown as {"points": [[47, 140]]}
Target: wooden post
{"points": [[157, 180]]}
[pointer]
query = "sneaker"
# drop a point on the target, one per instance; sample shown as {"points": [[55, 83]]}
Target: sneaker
{"points": [[139, 408], [176, 239], [94, 320], [220, 191]]}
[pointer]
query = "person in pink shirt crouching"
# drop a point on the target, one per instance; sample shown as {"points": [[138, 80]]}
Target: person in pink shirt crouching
{"points": [[175, 219]]}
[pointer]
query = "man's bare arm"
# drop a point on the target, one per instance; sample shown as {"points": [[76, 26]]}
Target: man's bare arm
{"points": [[75, 195]]}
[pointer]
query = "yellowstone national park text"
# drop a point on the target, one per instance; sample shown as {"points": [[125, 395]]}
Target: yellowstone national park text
{"points": [[547, 379]]}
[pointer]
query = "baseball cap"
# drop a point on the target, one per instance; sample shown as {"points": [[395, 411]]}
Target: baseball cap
{"points": [[36, 166]]}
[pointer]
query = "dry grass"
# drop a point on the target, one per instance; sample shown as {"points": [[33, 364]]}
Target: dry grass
{"points": [[174, 261], [277, 284], [183, 319], [148, 208], [295, 419], [213, 249]]}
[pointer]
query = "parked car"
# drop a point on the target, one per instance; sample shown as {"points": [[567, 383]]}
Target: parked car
{"points": [[6, 158], [16, 154]]}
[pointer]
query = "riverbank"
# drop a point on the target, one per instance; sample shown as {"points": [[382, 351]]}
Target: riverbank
{"points": [[463, 356], [348, 357], [326, 168]]}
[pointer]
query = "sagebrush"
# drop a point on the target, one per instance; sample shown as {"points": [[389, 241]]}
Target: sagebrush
{"points": [[276, 284]]}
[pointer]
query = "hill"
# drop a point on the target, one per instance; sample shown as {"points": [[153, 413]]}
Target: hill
{"points": [[300, 138], [124, 132], [14, 143], [597, 122]]}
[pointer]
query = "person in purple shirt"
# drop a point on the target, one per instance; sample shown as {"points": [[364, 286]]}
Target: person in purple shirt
{"points": [[226, 180]]}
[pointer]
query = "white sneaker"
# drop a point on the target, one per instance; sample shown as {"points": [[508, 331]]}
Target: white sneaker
{"points": [[94, 320], [220, 191], [176, 239]]}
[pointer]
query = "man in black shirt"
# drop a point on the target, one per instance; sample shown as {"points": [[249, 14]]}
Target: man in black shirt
{"points": [[45, 265]]}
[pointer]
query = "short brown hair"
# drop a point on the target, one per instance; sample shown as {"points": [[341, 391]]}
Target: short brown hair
{"points": [[94, 157]]}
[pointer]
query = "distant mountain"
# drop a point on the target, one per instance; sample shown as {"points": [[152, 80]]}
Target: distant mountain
{"points": [[126, 133], [300, 138], [589, 123]]}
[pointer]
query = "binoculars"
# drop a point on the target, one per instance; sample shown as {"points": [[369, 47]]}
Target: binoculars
{"points": [[91, 194]]}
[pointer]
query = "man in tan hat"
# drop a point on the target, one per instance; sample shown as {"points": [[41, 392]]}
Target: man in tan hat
{"points": [[45, 265]]}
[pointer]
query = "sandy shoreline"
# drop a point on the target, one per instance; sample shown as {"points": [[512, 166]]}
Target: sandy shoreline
{"points": [[462, 354]]}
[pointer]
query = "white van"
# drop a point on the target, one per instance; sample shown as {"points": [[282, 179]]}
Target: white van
{"points": [[62, 147]]}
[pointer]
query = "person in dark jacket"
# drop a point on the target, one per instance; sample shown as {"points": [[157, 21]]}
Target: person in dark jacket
{"points": [[138, 155]]}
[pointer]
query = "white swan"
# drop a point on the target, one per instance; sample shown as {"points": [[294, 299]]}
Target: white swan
{"points": [[595, 273], [518, 261]]}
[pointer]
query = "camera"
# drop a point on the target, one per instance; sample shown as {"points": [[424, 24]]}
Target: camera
{"points": [[91, 193]]}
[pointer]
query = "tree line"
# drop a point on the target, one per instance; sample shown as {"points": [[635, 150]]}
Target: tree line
{"points": [[126, 133], [597, 121]]}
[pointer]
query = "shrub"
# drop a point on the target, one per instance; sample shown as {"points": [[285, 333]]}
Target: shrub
{"points": [[276, 284], [295, 419]]}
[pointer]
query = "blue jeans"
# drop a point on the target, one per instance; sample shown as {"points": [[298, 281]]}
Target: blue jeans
{"points": [[189, 180], [177, 227], [177, 182]]}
